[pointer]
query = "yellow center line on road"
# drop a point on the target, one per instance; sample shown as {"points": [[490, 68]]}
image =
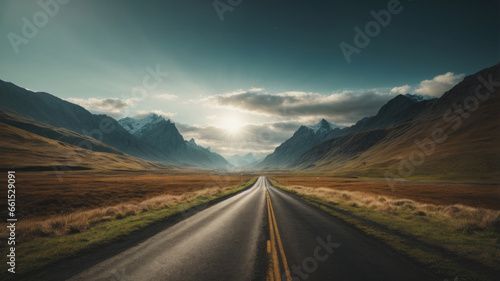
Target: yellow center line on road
{"points": [[274, 255], [283, 257], [270, 276], [273, 226]]}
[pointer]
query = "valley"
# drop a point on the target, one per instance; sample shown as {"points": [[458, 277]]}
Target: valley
{"points": [[422, 171], [235, 140]]}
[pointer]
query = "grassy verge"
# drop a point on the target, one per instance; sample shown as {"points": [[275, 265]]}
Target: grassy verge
{"points": [[40, 252], [452, 241]]}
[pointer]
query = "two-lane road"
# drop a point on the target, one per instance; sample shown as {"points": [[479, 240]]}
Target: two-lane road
{"points": [[228, 241], [318, 247], [218, 243]]}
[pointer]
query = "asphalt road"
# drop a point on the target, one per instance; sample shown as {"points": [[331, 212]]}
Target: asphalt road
{"points": [[318, 247], [230, 241]]}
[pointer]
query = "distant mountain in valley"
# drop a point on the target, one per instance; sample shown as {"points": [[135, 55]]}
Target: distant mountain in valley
{"points": [[302, 140], [162, 135], [244, 161]]}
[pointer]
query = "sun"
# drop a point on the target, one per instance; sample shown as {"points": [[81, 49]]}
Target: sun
{"points": [[232, 125]]}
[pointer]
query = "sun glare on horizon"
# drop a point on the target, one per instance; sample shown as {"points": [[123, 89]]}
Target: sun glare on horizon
{"points": [[232, 125]]}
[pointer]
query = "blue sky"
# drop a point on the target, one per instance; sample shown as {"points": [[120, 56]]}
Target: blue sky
{"points": [[98, 53]]}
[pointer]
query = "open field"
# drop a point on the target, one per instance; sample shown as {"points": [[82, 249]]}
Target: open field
{"points": [[41, 194], [451, 239], [48, 239], [474, 195]]}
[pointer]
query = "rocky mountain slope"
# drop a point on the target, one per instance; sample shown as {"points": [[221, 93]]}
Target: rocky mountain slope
{"points": [[400, 109], [302, 140], [455, 138], [156, 140], [163, 136]]}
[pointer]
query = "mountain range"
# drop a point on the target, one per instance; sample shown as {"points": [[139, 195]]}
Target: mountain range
{"points": [[302, 140], [454, 137], [400, 109], [48, 109], [163, 136], [51, 117], [245, 161]]}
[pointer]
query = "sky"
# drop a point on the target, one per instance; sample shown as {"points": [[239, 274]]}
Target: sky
{"points": [[241, 76]]}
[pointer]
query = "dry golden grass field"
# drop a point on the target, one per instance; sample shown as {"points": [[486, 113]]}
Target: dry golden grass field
{"points": [[83, 199], [445, 226], [474, 195], [41, 194]]}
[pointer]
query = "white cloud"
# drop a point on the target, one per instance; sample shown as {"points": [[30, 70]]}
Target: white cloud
{"points": [[402, 90], [114, 107], [344, 108], [257, 138], [439, 84], [144, 113], [340, 108], [165, 97]]}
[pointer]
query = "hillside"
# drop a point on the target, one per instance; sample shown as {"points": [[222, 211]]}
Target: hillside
{"points": [[163, 136], [53, 111], [338, 150], [440, 143], [400, 109], [49, 116], [59, 134], [303, 139], [23, 150]]}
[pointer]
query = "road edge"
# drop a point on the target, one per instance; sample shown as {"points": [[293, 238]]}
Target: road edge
{"points": [[68, 267], [354, 221]]}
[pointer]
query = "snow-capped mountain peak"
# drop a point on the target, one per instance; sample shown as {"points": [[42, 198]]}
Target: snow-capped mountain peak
{"points": [[133, 124], [322, 126]]}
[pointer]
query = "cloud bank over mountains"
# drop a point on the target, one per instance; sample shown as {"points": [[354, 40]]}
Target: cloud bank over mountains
{"points": [[439, 84], [342, 108], [113, 107], [284, 111], [260, 139]]}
